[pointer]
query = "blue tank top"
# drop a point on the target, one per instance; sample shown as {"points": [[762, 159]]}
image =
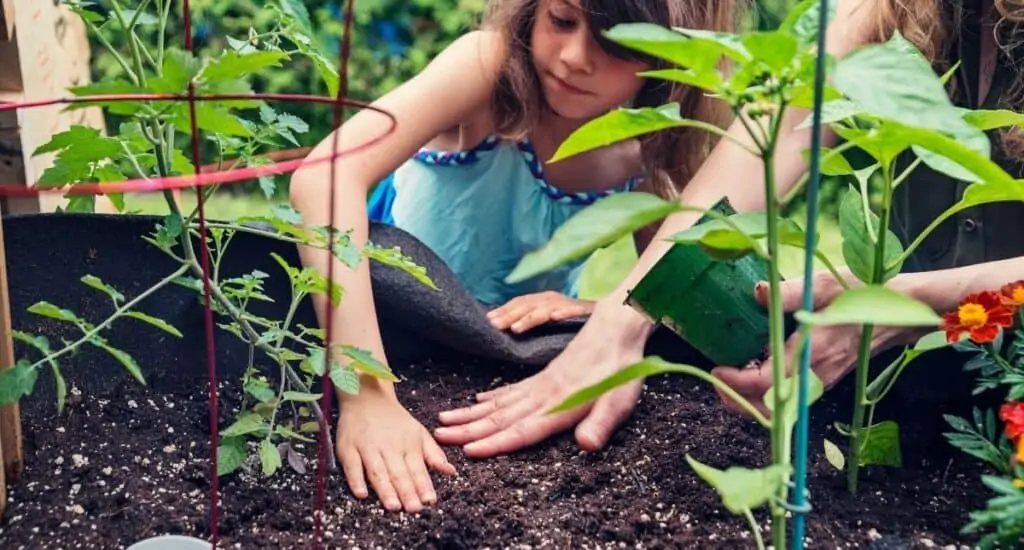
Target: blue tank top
{"points": [[481, 210]]}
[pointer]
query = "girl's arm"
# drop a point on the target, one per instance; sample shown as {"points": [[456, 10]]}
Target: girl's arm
{"points": [[732, 171], [378, 439]]}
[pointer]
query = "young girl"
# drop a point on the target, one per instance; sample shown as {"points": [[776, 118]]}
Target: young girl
{"points": [[465, 172], [967, 253]]}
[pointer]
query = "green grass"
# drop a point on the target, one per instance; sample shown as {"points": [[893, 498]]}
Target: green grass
{"points": [[603, 272], [222, 206]]}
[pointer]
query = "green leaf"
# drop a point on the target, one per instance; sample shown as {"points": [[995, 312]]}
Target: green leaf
{"points": [[285, 431], [46, 309], [708, 81], [270, 458], [297, 10], [61, 386], [857, 228], [649, 366], [699, 54], [346, 378], [881, 445], [210, 118], [834, 456], [127, 360], [393, 257], [95, 282], [832, 163], [892, 80], [875, 305], [593, 227], [728, 244], [775, 49], [301, 397], [315, 362], [802, 20], [364, 362], [17, 382], [260, 390], [230, 455], [246, 424], [622, 124], [971, 164], [985, 119], [816, 389], [179, 68], [158, 323], [232, 65], [37, 341], [834, 111], [743, 489]]}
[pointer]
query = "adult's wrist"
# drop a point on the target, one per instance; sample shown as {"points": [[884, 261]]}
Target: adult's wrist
{"points": [[621, 321]]}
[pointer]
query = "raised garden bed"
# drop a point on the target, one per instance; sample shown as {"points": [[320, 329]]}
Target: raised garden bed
{"points": [[126, 462]]}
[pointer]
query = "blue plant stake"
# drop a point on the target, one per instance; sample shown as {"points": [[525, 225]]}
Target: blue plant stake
{"points": [[800, 506]]}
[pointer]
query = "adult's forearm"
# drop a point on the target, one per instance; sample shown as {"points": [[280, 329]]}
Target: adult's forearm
{"points": [[943, 289]]}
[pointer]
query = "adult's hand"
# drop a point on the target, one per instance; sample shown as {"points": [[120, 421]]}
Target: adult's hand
{"points": [[834, 348], [517, 415]]}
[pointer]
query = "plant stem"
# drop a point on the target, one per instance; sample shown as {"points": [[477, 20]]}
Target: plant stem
{"points": [[755, 528], [776, 327], [117, 314], [864, 353]]}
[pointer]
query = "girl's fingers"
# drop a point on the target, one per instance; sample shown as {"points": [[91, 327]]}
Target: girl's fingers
{"points": [[531, 319], [511, 314], [498, 420], [473, 413], [402, 481], [568, 312], [435, 457], [416, 463], [496, 392], [352, 465], [380, 479]]}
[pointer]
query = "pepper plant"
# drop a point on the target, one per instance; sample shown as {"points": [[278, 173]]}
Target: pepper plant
{"points": [[280, 407], [884, 100]]}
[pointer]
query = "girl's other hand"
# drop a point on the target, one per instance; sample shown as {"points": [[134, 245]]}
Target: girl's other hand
{"points": [[377, 439], [523, 313]]}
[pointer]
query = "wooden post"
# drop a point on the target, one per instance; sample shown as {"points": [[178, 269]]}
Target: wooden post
{"points": [[11, 452], [44, 50]]}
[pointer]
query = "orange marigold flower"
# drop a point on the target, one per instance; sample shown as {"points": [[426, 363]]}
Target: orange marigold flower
{"points": [[1020, 451], [1013, 415], [1012, 295], [980, 315]]}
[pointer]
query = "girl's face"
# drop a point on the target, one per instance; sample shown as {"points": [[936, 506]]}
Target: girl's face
{"points": [[579, 80]]}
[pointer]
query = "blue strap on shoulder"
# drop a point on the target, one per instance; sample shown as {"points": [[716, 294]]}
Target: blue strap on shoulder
{"points": [[379, 206]]}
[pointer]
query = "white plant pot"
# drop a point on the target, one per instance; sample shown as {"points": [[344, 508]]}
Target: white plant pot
{"points": [[172, 542]]}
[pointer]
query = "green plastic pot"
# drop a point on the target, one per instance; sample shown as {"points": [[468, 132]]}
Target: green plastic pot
{"points": [[709, 303]]}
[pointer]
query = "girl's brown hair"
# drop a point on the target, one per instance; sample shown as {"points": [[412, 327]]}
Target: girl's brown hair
{"points": [[671, 157], [933, 25]]}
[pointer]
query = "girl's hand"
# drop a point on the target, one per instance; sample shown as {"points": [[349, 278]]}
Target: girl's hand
{"points": [[512, 417], [523, 313], [834, 348], [380, 440]]}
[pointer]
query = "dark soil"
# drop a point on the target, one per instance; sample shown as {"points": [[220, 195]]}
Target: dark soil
{"points": [[127, 461]]}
